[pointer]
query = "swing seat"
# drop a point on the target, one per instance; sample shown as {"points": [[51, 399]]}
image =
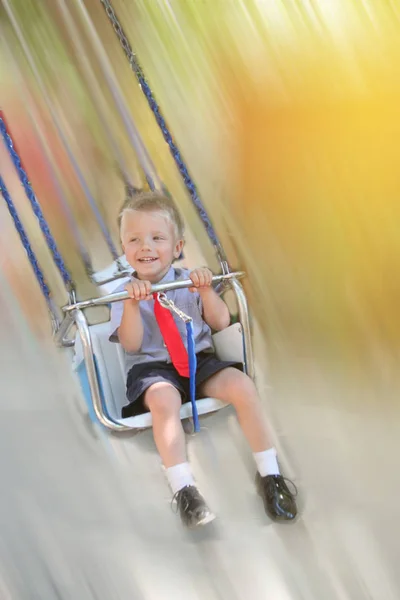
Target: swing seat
{"points": [[110, 275], [109, 361]]}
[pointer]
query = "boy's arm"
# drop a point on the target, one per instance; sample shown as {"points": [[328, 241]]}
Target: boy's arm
{"points": [[215, 311], [130, 330]]}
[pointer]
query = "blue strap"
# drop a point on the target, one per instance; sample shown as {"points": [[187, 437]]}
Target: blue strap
{"points": [[25, 241], [192, 372], [35, 206]]}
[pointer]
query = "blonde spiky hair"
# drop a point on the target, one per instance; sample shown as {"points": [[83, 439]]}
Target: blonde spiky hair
{"points": [[154, 202]]}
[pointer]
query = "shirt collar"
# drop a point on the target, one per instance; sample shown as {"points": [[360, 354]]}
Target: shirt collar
{"points": [[169, 276]]}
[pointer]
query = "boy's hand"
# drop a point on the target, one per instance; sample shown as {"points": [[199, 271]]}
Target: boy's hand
{"points": [[138, 289], [202, 278]]}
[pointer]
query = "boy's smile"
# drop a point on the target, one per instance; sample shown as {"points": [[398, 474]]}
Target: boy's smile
{"points": [[150, 244]]}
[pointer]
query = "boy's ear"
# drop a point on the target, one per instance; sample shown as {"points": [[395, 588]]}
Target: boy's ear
{"points": [[178, 248]]}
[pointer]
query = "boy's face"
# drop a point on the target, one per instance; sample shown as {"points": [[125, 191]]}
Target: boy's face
{"points": [[149, 243]]}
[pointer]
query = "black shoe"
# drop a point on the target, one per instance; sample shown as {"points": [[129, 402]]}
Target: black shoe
{"points": [[192, 507], [279, 501]]}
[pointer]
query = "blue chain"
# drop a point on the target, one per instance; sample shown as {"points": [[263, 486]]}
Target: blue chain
{"points": [[35, 207], [25, 241], [137, 69]]}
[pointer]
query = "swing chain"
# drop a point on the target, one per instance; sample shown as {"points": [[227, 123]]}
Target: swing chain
{"points": [[122, 38], [170, 305]]}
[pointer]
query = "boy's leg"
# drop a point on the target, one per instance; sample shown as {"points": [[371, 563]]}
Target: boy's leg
{"points": [[164, 402], [234, 387]]}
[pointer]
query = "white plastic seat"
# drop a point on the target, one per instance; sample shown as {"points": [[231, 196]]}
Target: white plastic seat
{"points": [[109, 358], [111, 273]]}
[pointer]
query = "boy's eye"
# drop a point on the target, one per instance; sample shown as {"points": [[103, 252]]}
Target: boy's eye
{"points": [[134, 239], [158, 237]]}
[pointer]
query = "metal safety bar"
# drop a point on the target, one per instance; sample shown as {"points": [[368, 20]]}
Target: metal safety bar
{"points": [[158, 287]]}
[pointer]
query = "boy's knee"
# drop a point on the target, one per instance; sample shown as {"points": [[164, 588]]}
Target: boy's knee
{"points": [[240, 388], [162, 398], [240, 381]]}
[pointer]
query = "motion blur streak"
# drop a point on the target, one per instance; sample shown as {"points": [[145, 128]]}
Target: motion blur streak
{"points": [[287, 116]]}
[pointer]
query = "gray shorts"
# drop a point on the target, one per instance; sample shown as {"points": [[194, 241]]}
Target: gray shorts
{"points": [[142, 376]]}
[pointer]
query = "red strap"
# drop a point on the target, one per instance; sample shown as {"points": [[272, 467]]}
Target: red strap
{"points": [[172, 338]]}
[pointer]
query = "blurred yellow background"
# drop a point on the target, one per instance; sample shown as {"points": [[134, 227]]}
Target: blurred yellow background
{"points": [[287, 116]]}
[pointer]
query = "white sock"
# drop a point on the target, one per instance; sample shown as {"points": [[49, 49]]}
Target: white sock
{"points": [[266, 462], [179, 476]]}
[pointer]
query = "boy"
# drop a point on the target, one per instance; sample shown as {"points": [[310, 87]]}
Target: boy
{"points": [[152, 238]]}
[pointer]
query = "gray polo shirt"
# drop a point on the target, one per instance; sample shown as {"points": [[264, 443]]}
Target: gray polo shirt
{"points": [[153, 347]]}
